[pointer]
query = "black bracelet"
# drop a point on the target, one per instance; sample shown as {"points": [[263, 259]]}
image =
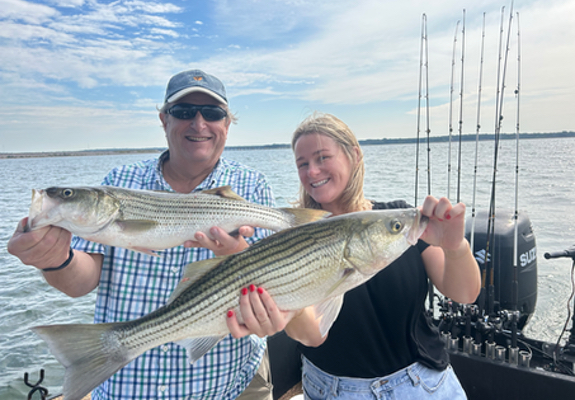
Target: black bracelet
{"points": [[64, 265]]}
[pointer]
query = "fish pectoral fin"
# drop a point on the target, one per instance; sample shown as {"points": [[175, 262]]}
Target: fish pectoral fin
{"points": [[145, 251], [346, 273], [328, 311], [135, 225], [197, 347], [225, 192], [193, 272]]}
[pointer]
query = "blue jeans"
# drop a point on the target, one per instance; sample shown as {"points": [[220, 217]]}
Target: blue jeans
{"points": [[413, 382]]}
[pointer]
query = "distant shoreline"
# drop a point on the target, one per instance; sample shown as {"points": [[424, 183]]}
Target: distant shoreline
{"points": [[366, 142]]}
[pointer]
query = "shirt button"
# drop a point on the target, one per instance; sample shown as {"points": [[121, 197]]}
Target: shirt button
{"points": [[165, 349], [175, 270], [162, 388]]}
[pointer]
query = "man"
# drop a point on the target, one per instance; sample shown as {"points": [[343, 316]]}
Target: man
{"points": [[196, 119]]}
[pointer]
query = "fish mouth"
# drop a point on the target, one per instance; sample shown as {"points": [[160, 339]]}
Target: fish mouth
{"points": [[319, 183], [35, 209], [43, 210], [418, 228]]}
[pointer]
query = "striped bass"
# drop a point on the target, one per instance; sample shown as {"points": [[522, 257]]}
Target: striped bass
{"points": [[312, 264], [144, 220]]}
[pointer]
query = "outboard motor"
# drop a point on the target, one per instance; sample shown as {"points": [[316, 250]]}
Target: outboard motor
{"points": [[501, 254]]}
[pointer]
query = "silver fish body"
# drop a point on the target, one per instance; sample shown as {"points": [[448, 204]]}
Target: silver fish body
{"points": [[312, 264], [144, 220]]}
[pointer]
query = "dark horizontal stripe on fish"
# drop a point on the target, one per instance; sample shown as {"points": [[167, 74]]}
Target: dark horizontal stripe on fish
{"points": [[226, 280]]}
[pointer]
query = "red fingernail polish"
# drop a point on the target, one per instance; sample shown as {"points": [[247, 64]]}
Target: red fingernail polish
{"points": [[244, 291], [252, 288], [439, 219], [230, 314], [260, 290], [447, 216]]}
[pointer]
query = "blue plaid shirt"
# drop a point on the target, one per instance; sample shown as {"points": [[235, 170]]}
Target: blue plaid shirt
{"points": [[134, 284]]}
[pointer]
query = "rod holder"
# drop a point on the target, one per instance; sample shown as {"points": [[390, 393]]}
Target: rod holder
{"points": [[500, 353], [453, 344], [514, 356], [467, 342], [524, 358], [490, 350], [476, 349]]}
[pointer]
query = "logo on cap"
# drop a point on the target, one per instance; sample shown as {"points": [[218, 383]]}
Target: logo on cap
{"points": [[198, 78]]}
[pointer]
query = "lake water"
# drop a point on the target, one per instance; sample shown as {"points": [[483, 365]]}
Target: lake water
{"points": [[546, 194]]}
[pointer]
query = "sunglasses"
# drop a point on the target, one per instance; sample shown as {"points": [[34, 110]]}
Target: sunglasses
{"points": [[189, 111]]}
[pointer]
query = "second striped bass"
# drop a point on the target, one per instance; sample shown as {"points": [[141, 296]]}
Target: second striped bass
{"points": [[312, 264], [145, 220]]}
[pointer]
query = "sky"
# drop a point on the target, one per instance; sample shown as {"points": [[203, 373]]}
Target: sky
{"points": [[90, 74]]}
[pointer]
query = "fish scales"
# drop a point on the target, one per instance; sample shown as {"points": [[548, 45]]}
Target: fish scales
{"points": [[292, 255], [141, 206]]}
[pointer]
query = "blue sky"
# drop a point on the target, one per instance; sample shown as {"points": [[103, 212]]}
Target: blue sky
{"points": [[88, 74]]}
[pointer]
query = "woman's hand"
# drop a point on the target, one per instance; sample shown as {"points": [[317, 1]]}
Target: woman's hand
{"points": [[448, 261], [446, 227], [259, 315]]}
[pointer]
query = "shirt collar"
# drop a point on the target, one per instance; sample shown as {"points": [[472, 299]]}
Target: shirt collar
{"points": [[208, 183]]}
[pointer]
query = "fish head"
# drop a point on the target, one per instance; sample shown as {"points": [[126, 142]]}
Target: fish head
{"points": [[379, 237], [80, 210]]}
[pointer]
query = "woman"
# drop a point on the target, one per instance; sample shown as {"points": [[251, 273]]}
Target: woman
{"points": [[382, 341]]}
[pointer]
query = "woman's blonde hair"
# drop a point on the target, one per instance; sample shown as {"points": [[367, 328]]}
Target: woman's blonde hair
{"points": [[328, 125]]}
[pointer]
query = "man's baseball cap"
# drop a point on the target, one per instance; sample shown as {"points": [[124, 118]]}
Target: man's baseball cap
{"points": [[194, 80]]}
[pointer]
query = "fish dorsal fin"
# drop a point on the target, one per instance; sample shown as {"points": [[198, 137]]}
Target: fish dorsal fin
{"points": [[193, 272], [225, 192], [136, 225], [328, 310], [197, 347], [305, 215]]}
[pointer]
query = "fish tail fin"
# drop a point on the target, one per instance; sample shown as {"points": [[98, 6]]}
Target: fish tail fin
{"points": [[305, 215], [90, 353]]}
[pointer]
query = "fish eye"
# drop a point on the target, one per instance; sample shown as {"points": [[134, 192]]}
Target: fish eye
{"points": [[67, 193], [396, 226]]}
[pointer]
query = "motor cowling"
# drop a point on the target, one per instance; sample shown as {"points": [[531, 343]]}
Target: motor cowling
{"points": [[501, 250]]}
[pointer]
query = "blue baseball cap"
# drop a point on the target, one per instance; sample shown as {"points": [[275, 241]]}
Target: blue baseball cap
{"points": [[194, 80]]}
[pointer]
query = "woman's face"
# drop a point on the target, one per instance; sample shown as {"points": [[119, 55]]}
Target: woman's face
{"points": [[324, 170]]}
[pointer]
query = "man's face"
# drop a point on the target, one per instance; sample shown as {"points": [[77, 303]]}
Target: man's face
{"points": [[196, 139]]}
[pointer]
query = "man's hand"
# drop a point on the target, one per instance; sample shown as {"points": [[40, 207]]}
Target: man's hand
{"points": [[223, 244], [47, 247]]}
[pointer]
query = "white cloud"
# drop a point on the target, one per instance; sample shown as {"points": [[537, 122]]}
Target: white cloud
{"points": [[18, 10]]}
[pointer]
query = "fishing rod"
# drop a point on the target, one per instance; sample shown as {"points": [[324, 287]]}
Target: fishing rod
{"points": [[455, 304], [498, 119], [461, 108], [481, 297], [423, 38], [477, 129], [431, 289], [427, 128], [491, 215], [513, 349], [450, 124]]}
